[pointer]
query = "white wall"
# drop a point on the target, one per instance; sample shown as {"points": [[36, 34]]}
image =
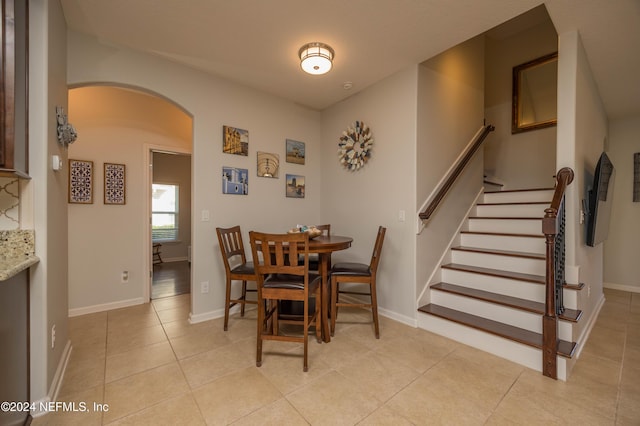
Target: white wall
{"points": [[450, 112], [44, 198], [213, 102], [114, 125], [582, 131], [356, 203], [624, 228], [527, 159]]}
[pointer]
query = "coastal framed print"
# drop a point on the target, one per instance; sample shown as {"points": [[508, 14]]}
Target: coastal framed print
{"points": [[295, 186], [295, 152]]}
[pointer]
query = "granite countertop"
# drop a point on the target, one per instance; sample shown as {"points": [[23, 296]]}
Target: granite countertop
{"points": [[17, 252]]}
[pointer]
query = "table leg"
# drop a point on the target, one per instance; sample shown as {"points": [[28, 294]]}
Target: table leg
{"points": [[325, 264]]}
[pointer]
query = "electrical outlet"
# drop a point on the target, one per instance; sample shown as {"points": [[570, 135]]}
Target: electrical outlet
{"points": [[53, 336], [204, 287], [124, 278]]}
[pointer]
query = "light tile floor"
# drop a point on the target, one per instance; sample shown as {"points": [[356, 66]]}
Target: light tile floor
{"points": [[151, 367]]}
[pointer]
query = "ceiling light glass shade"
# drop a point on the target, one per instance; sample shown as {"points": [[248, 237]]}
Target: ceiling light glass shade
{"points": [[316, 58]]}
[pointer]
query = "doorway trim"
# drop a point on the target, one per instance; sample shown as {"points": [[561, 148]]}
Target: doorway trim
{"points": [[148, 150]]}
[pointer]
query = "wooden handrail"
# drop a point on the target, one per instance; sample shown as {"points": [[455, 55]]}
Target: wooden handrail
{"points": [[553, 229], [453, 175]]}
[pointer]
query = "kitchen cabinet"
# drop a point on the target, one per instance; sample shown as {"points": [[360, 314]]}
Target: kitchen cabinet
{"points": [[14, 77]]}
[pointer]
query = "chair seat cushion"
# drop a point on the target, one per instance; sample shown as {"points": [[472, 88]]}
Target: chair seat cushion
{"points": [[350, 268], [289, 281], [244, 268]]}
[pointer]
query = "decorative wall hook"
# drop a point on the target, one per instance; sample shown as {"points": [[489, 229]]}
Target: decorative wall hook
{"points": [[66, 132]]}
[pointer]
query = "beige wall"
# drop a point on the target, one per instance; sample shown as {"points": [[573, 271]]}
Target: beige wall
{"points": [[44, 196], [450, 112], [582, 131], [527, 159], [623, 243], [212, 103], [114, 126], [357, 202]]}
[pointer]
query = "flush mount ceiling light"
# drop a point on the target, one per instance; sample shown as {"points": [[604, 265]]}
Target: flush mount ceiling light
{"points": [[316, 58]]}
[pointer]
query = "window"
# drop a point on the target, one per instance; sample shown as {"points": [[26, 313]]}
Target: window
{"points": [[164, 212]]}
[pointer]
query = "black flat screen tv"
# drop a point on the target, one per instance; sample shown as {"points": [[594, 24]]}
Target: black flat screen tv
{"points": [[599, 201]]}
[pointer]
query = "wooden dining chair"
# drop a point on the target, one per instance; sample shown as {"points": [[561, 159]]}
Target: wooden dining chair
{"points": [[237, 268], [314, 258], [360, 273], [283, 277]]}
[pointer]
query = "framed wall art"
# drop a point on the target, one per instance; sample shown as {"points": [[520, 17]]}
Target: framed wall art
{"points": [[268, 165], [80, 182], [295, 186], [636, 177], [235, 181], [235, 141], [295, 152], [115, 184]]}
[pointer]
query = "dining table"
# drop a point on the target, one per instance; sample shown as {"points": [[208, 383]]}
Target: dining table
{"points": [[324, 246]]}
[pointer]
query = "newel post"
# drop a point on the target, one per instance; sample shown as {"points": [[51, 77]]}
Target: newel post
{"points": [[550, 318], [553, 224]]}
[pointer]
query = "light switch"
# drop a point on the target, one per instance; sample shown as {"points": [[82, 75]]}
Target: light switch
{"points": [[205, 215], [56, 163], [401, 216]]}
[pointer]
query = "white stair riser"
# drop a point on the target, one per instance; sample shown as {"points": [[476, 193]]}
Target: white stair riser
{"points": [[504, 242], [519, 197], [503, 314], [505, 226], [501, 347], [504, 263], [505, 286], [511, 210]]}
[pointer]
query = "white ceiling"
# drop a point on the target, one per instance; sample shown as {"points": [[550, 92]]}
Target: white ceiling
{"points": [[255, 42]]}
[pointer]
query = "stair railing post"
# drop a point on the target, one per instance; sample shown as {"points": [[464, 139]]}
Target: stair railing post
{"points": [[553, 225], [550, 319]]}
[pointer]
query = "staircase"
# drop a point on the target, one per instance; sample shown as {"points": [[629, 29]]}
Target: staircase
{"points": [[492, 293]]}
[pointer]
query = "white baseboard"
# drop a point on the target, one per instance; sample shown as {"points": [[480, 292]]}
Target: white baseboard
{"points": [[623, 287], [206, 316], [105, 307], [175, 259], [587, 329], [41, 404]]}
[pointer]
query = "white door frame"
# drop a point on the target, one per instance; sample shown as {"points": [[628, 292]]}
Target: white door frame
{"points": [[148, 150]]}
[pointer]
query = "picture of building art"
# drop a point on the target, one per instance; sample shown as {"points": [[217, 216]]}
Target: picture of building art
{"points": [[295, 152], [235, 181], [295, 186], [235, 141]]}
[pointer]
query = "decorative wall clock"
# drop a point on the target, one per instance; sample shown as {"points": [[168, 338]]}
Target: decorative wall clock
{"points": [[354, 148]]}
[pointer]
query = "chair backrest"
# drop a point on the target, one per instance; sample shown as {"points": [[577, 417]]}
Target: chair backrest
{"points": [[280, 253], [377, 249], [326, 229], [231, 245]]}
